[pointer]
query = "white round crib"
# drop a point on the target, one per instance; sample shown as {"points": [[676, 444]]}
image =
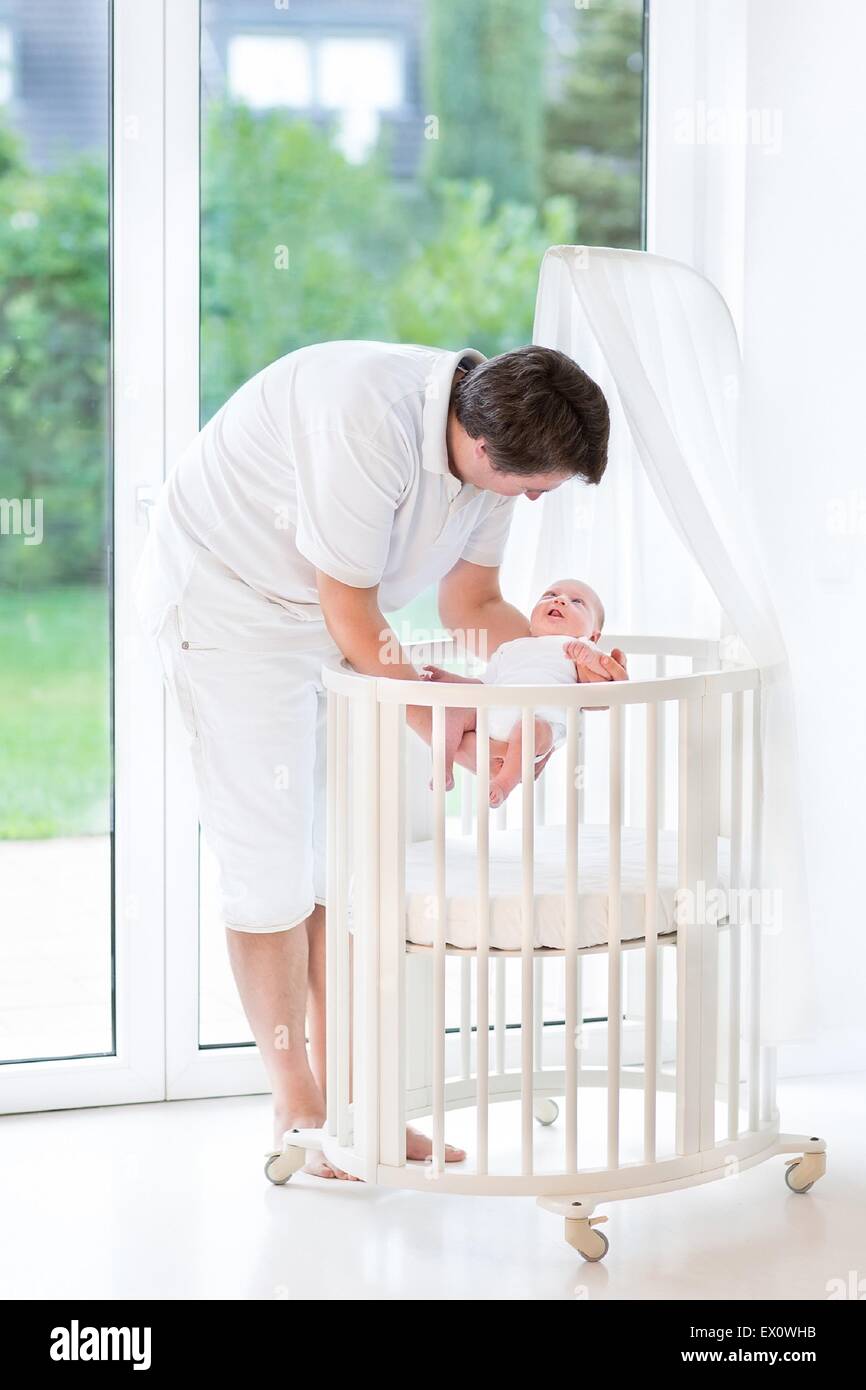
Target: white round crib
{"points": [[596, 942]]}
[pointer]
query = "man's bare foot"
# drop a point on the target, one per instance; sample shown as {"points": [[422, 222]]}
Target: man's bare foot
{"points": [[419, 1146], [321, 1168]]}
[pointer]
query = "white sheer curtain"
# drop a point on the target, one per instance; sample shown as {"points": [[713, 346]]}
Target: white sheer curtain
{"points": [[667, 538]]}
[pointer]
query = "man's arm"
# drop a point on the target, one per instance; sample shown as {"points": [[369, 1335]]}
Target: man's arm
{"points": [[356, 623], [472, 607]]}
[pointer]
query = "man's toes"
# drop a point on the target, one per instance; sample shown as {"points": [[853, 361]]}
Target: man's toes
{"points": [[318, 1168], [497, 795], [321, 1168], [453, 1154]]}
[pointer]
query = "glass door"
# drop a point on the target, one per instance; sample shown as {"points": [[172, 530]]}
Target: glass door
{"points": [[78, 920], [367, 173]]}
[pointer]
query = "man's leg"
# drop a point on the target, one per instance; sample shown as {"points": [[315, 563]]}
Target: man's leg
{"points": [[418, 1146], [271, 972]]}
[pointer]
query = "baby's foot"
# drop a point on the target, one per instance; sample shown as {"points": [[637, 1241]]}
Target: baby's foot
{"points": [[497, 794]]}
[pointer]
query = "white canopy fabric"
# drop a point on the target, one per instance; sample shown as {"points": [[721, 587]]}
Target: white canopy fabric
{"points": [[660, 341]]}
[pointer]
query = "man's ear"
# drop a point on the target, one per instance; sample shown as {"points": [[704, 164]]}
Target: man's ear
{"points": [[595, 636], [479, 447]]}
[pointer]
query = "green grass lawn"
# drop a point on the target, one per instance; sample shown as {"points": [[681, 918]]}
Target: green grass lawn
{"points": [[54, 713]]}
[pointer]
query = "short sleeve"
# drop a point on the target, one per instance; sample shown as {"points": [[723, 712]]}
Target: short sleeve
{"points": [[492, 669], [486, 543], [347, 493]]}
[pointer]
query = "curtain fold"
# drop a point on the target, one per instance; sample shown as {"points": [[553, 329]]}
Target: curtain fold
{"points": [[667, 537]]}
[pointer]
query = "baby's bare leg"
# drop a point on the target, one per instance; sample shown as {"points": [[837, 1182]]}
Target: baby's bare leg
{"points": [[510, 773]]}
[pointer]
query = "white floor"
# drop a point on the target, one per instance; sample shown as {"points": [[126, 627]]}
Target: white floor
{"points": [[169, 1201]]}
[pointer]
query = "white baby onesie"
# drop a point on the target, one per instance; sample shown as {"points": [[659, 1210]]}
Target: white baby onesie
{"points": [[530, 661]]}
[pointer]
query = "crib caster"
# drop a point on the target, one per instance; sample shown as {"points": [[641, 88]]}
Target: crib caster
{"points": [[281, 1166], [545, 1110], [582, 1236], [801, 1174]]}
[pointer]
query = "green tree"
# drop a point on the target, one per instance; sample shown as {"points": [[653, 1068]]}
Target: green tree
{"points": [[473, 283], [483, 82], [298, 245], [53, 363], [593, 133]]}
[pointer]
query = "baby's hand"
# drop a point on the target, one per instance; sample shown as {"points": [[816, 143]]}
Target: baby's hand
{"points": [[439, 673], [586, 655]]}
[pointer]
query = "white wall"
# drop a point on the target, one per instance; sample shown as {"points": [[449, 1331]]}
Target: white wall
{"points": [[775, 216]]}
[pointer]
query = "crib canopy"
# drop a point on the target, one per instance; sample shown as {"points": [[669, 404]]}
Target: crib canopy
{"points": [[659, 339]]}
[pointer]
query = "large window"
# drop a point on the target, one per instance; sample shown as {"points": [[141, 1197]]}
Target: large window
{"points": [[56, 966], [396, 171]]}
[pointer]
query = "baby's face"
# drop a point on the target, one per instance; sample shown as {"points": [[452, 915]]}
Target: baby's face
{"points": [[567, 607]]}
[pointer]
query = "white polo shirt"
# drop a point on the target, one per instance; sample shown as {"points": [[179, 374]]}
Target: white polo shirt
{"points": [[332, 458]]}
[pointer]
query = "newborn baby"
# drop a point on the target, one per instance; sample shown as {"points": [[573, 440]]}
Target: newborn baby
{"points": [[564, 626]]}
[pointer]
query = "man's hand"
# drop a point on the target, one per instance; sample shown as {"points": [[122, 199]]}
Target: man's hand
{"points": [[613, 667], [597, 666]]}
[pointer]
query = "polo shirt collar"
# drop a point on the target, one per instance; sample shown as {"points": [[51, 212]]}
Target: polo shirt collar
{"points": [[437, 395]]}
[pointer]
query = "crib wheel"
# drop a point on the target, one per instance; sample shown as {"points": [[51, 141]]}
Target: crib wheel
{"points": [[281, 1166], [582, 1236], [791, 1178], [545, 1110], [801, 1174]]}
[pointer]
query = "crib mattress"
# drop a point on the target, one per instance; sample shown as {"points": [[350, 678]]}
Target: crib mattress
{"points": [[506, 886]]}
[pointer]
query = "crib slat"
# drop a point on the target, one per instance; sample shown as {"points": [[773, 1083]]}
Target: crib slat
{"points": [[439, 957], [651, 998], [482, 1003], [499, 1025], [465, 1017], [754, 1076], [391, 1049], [365, 957], [540, 802], [688, 1071], [661, 672], [337, 936], [734, 929], [614, 948], [572, 1019], [580, 763], [365, 1095], [527, 942], [707, 926], [538, 1012]]}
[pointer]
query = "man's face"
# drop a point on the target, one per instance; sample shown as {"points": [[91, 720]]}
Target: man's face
{"points": [[471, 464], [568, 609]]}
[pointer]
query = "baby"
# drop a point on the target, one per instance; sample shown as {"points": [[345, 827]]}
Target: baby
{"points": [[564, 626]]}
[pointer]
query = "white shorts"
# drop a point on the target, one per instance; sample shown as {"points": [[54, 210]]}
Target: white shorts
{"points": [[245, 676]]}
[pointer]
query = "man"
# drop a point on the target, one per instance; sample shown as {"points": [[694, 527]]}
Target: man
{"points": [[341, 481]]}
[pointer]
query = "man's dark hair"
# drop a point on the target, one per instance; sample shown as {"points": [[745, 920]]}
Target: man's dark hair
{"points": [[537, 412]]}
